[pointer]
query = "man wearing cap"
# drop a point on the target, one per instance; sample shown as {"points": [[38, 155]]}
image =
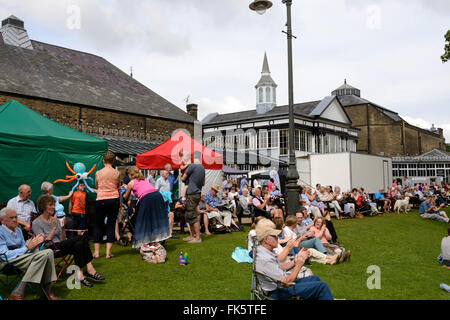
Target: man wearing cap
{"points": [[267, 262], [213, 203]]}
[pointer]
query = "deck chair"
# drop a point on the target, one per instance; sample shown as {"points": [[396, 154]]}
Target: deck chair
{"points": [[256, 292]]}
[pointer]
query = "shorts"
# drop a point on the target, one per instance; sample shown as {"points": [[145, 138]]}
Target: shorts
{"points": [[192, 201]]}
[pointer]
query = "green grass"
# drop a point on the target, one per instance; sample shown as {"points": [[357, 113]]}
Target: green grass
{"points": [[403, 246]]}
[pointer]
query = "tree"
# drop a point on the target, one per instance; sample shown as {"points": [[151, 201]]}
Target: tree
{"points": [[446, 55]]}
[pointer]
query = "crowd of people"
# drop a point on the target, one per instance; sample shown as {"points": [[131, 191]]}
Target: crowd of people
{"points": [[31, 234]]}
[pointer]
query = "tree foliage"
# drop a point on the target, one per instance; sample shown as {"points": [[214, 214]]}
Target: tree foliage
{"points": [[446, 56]]}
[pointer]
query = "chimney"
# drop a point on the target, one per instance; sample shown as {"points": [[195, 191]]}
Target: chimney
{"points": [[14, 33], [192, 110]]}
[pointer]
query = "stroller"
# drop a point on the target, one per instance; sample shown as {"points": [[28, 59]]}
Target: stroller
{"points": [[126, 220]]}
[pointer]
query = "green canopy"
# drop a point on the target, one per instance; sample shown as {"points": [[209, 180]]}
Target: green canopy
{"points": [[34, 149]]}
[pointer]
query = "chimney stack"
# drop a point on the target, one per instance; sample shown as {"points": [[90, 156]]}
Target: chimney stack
{"points": [[192, 110], [14, 33]]}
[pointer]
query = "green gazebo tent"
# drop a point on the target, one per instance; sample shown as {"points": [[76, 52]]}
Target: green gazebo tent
{"points": [[34, 149]]}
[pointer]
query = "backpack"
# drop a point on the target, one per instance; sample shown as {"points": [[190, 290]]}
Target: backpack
{"points": [[153, 253]]}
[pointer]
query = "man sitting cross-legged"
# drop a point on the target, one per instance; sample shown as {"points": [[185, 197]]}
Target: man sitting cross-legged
{"points": [[267, 262], [38, 266], [213, 210]]}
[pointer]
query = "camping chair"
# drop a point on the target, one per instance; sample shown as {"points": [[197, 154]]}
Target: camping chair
{"points": [[12, 273], [61, 261], [256, 292]]}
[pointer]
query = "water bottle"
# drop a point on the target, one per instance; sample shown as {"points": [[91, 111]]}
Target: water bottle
{"points": [[186, 258], [181, 260]]}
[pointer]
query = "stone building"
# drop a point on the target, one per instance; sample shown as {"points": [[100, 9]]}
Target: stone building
{"points": [[85, 92], [383, 131]]}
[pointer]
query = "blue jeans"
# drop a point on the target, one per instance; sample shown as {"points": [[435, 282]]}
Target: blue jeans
{"points": [[309, 288], [314, 243]]}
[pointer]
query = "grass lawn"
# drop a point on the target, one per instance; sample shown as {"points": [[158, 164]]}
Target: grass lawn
{"points": [[403, 246]]}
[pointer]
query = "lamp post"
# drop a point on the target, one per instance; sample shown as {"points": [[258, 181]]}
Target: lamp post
{"points": [[260, 6]]}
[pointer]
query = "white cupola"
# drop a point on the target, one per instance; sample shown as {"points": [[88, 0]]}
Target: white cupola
{"points": [[266, 97]]}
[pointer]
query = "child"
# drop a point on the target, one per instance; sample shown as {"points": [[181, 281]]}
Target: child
{"points": [[77, 207], [251, 234], [307, 221], [186, 162]]}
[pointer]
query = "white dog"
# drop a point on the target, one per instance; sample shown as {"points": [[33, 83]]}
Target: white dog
{"points": [[402, 205]]}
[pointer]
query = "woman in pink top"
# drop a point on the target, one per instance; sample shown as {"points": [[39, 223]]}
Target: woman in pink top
{"points": [[107, 181], [321, 232], [152, 222]]}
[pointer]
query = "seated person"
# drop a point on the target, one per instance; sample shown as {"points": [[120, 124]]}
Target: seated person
{"points": [[23, 205], [288, 243], [231, 195], [267, 262], [251, 235], [213, 204], [320, 231], [445, 249], [201, 210], [47, 224], [38, 266], [368, 201], [261, 204], [380, 199], [304, 202], [428, 211], [245, 202], [275, 192]]}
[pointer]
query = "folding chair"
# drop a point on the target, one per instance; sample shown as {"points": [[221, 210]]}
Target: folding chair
{"points": [[256, 292], [12, 273], [61, 260]]}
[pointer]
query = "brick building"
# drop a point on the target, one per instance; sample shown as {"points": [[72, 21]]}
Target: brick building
{"points": [[85, 92], [383, 131]]}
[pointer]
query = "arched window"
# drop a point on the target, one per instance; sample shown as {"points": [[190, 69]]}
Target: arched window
{"points": [[274, 95], [261, 95], [268, 95]]}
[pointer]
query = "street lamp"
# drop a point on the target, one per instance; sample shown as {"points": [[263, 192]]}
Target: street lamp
{"points": [[260, 6]]}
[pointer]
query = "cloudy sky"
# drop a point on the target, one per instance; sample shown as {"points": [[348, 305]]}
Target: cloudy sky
{"points": [[212, 51]]}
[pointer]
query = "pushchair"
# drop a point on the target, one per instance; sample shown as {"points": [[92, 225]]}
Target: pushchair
{"points": [[126, 220]]}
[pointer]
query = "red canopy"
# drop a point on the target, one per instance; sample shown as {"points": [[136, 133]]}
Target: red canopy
{"points": [[170, 152]]}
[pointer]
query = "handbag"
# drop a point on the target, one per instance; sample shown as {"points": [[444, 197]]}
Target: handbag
{"points": [[153, 253]]}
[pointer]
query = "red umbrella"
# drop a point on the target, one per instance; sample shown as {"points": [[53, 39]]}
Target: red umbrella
{"points": [[170, 152]]}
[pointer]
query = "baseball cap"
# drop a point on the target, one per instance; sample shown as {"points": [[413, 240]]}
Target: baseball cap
{"points": [[266, 228]]}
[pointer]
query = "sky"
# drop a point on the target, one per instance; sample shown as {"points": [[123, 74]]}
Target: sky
{"points": [[212, 51]]}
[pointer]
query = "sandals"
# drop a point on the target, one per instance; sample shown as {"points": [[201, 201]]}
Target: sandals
{"points": [[86, 283], [95, 277]]}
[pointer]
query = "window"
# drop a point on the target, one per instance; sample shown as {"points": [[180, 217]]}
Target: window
{"points": [[268, 95], [274, 90], [297, 140], [303, 141], [263, 139], [260, 95], [284, 142], [308, 141], [274, 139]]}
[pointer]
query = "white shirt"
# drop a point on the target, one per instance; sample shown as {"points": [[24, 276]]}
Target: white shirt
{"points": [[251, 234], [288, 233], [22, 208]]}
